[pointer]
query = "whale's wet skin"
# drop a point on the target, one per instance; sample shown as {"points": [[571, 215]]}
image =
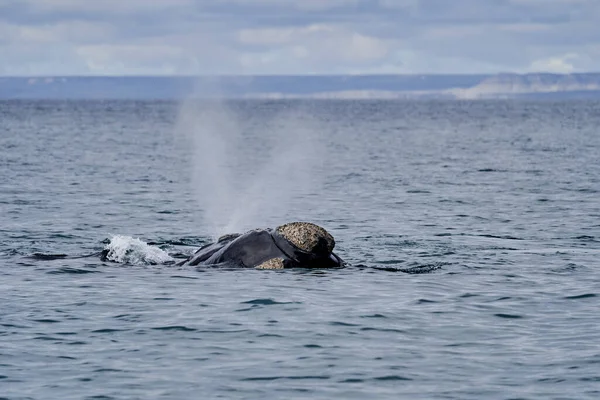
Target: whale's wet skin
{"points": [[293, 245], [500, 197]]}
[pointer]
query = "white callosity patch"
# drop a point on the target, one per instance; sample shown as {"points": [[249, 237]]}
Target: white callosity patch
{"points": [[128, 250], [273, 263], [306, 236]]}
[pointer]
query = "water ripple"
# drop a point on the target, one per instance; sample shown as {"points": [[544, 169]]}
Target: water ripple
{"points": [[175, 328]]}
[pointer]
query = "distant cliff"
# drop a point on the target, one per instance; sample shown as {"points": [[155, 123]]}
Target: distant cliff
{"points": [[514, 85], [535, 85]]}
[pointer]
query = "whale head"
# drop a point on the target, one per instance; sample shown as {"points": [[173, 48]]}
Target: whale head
{"points": [[308, 238]]}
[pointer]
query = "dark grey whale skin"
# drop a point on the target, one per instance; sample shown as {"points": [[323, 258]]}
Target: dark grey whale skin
{"points": [[253, 248]]}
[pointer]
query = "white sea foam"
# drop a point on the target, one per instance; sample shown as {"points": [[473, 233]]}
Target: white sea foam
{"points": [[129, 250]]}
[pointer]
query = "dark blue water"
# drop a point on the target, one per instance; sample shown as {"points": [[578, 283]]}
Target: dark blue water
{"points": [[499, 201]]}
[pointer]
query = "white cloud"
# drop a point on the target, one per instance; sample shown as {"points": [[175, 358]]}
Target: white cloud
{"points": [[312, 49], [109, 60], [40, 60], [271, 36], [103, 6], [561, 64], [307, 5], [399, 4], [545, 2], [557, 65], [60, 32], [524, 28]]}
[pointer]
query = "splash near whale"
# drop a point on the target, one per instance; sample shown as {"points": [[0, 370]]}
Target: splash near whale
{"points": [[292, 245]]}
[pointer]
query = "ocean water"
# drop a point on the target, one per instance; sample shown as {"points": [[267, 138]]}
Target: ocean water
{"points": [[473, 229]]}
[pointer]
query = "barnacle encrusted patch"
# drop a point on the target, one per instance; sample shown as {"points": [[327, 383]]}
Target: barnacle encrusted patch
{"points": [[307, 237], [273, 263]]}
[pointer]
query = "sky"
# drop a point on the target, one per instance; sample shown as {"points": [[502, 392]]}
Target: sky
{"points": [[297, 37]]}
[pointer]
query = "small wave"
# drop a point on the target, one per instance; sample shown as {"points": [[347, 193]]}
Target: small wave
{"points": [[70, 270], [392, 378], [175, 328], [194, 241], [418, 269], [267, 302], [128, 250], [42, 256]]}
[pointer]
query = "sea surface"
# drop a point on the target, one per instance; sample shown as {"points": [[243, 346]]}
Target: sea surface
{"points": [[472, 228]]}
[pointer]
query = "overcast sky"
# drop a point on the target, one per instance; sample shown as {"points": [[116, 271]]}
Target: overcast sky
{"points": [[170, 37]]}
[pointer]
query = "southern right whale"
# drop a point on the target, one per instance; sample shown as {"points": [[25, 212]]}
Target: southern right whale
{"points": [[292, 245]]}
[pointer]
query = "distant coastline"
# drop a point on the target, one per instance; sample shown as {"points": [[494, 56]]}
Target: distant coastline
{"points": [[459, 87]]}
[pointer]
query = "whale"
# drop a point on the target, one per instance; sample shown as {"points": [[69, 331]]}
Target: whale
{"points": [[291, 245]]}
